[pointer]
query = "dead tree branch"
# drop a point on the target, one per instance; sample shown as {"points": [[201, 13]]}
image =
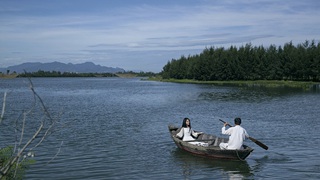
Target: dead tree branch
{"points": [[44, 129], [3, 106]]}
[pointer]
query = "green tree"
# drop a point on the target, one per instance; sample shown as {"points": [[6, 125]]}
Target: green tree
{"points": [[290, 62]]}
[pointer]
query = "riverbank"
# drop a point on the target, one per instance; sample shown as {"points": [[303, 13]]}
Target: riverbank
{"points": [[263, 83], [8, 76]]}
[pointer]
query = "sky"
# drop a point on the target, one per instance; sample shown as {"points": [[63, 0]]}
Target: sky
{"points": [[143, 35]]}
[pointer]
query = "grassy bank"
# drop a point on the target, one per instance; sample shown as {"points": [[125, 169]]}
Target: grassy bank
{"points": [[8, 76], [263, 83], [126, 75]]}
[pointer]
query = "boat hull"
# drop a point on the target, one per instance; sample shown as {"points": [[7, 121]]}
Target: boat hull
{"points": [[212, 150]]}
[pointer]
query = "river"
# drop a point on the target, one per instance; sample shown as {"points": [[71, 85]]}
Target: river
{"points": [[116, 128]]}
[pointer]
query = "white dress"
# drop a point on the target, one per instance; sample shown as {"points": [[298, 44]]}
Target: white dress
{"points": [[186, 134]]}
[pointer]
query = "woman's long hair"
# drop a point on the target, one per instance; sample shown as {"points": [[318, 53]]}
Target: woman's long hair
{"points": [[184, 124]]}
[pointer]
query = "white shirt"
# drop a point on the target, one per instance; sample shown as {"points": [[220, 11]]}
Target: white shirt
{"points": [[237, 136]]}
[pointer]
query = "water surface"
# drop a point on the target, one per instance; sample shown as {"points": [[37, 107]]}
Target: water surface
{"points": [[117, 129]]}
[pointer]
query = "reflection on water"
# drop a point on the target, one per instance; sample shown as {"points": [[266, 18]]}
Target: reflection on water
{"points": [[250, 93], [235, 95], [315, 88], [191, 164]]}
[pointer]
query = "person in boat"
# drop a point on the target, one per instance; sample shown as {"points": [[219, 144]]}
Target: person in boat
{"points": [[186, 133], [237, 135]]}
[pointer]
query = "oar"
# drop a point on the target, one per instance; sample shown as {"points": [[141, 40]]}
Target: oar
{"points": [[252, 139]]}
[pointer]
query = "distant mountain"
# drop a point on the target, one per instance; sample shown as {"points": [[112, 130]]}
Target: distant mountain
{"points": [[87, 67]]}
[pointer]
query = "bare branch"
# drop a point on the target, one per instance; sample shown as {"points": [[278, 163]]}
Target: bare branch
{"points": [[43, 136], [6, 167], [42, 104], [16, 133], [22, 129], [43, 130], [3, 106], [56, 153]]}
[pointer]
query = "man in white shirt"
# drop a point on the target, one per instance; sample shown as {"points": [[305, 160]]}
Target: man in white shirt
{"points": [[237, 135]]}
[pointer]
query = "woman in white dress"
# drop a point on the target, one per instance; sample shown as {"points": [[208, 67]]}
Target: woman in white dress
{"points": [[187, 134]]}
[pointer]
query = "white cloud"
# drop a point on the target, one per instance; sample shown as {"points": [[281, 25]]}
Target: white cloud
{"points": [[138, 36]]}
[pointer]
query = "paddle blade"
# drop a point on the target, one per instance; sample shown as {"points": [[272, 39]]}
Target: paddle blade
{"points": [[259, 143]]}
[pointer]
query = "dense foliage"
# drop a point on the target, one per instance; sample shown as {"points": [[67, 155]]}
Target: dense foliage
{"points": [[42, 73], [298, 63], [18, 169], [138, 74]]}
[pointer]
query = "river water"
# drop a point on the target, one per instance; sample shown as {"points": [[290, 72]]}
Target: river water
{"points": [[116, 128]]}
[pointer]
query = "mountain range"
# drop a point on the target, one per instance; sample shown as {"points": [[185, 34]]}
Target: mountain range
{"points": [[87, 67]]}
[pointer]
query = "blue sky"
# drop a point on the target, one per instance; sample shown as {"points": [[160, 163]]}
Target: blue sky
{"points": [[144, 35]]}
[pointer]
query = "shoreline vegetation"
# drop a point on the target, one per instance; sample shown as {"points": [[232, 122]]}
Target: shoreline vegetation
{"points": [[8, 76], [249, 63], [288, 66], [149, 76], [53, 74], [296, 66], [258, 83]]}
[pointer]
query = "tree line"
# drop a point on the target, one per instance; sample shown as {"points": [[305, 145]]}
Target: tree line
{"points": [[290, 62], [42, 73]]}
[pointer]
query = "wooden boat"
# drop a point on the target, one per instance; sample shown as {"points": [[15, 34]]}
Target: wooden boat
{"points": [[212, 150]]}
